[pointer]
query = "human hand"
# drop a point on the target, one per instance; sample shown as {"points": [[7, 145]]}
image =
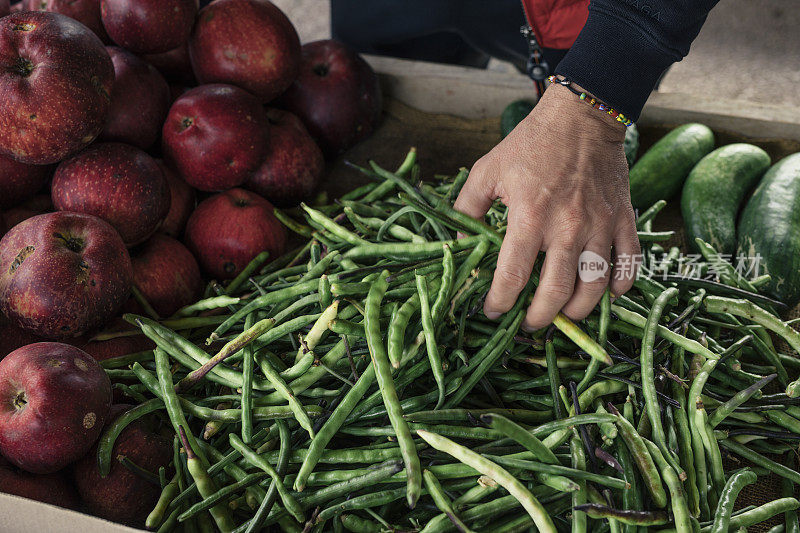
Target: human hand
{"points": [[563, 175]]}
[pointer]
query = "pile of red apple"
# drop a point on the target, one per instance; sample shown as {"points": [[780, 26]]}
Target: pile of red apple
{"points": [[116, 118]]}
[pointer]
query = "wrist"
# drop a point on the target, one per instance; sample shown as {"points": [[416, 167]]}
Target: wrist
{"points": [[599, 117]]}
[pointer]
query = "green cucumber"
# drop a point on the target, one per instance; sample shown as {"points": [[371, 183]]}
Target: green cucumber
{"points": [[661, 171], [513, 115], [714, 191], [631, 143], [769, 228]]}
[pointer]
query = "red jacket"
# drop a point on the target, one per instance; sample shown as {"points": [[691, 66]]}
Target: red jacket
{"points": [[556, 23]]}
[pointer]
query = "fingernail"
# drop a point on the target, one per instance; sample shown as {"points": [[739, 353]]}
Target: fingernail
{"points": [[492, 315]]}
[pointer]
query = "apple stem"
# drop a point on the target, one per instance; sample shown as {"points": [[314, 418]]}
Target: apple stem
{"points": [[20, 400]]}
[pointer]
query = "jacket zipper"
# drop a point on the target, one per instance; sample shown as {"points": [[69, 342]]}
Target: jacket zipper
{"points": [[537, 68]]}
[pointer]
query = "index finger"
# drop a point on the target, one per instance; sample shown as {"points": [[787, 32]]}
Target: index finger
{"points": [[477, 195]]}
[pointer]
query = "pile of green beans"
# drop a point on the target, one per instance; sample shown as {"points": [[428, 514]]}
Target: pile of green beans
{"points": [[355, 385]]}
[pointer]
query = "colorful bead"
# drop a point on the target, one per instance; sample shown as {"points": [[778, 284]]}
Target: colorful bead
{"points": [[597, 104]]}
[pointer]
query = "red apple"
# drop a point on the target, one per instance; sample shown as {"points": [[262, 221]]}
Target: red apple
{"points": [[124, 496], [54, 400], [117, 182], [229, 229], [54, 489], [38, 205], [336, 95], [19, 181], [148, 26], [63, 274], [182, 202], [174, 65], [139, 102], [215, 136], [5, 8], [87, 12], [56, 86], [166, 273], [294, 165], [249, 43]]}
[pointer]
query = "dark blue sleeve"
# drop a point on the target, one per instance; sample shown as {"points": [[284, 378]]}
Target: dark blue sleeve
{"points": [[626, 45]]}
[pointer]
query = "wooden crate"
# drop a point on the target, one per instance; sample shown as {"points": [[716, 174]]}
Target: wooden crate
{"points": [[451, 115]]}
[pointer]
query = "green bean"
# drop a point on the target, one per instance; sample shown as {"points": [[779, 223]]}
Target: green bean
{"points": [[207, 304], [711, 447], [168, 493], [748, 309], [383, 375], [602, 335], [580, 338], [105, 444], [468, 415], [644, 461], [488, 468], [389, 223], [788, 490], [178, 348], [639, 321], [395, 230], [248, 362], [727, 499], [222, 494], [493, 349], [248, 271], [650, 213], [260, 302], [759, 460], [442, 501], [172, 401], [652, 408], [725, 409], [760, 514], [625, 516], [553, 373], [363, 479], [680, 509], [356, 524], [409, 251], [751, 311], [225, 415], [274, 377], [321, 220], [470, 263], [272, 493], [558, 470], [397, 329], [455, 220], [579, 497], [520, 435], [684, 435], [632, 498], [439, 307], [430, 337], [205, 483], [347, 327], [365, 501], [655, 236], [332, 425]]}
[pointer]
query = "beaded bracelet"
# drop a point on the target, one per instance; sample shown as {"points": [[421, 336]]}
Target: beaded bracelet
{"points": [[595, 103]]}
